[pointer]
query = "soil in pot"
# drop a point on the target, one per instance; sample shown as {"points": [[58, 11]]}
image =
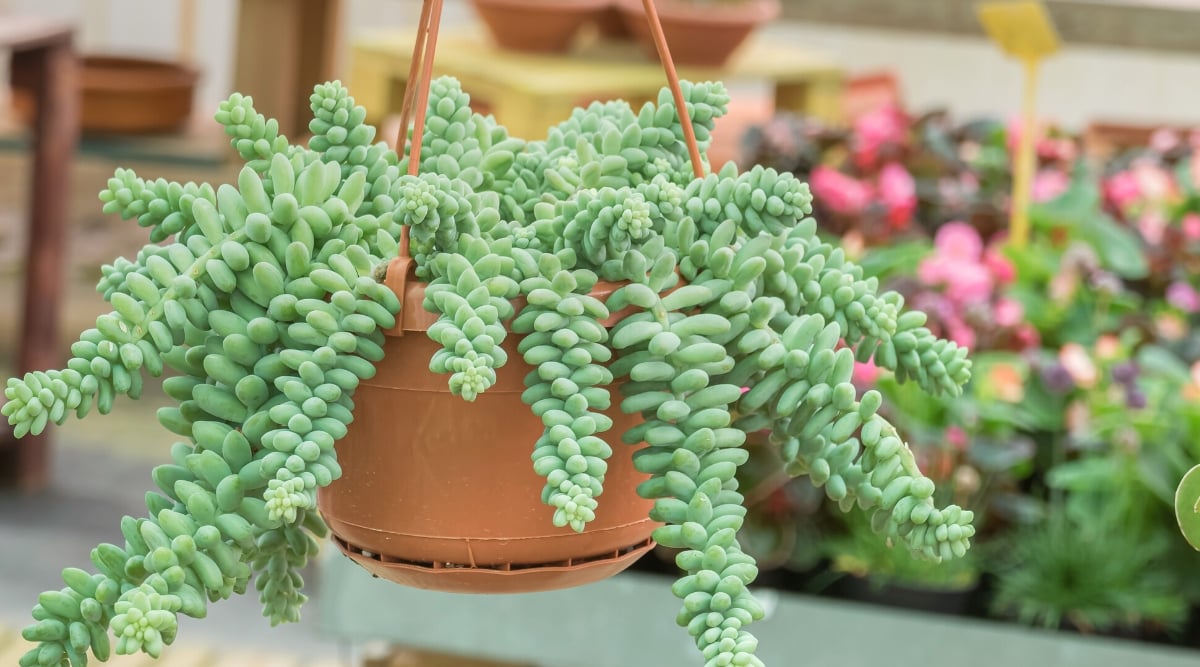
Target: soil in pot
{"points": [[440, 493], [122, 95], [537, 26], [699, 33]]}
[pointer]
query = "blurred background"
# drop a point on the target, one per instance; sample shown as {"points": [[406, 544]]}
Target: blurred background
{"points": [[901, 114]]}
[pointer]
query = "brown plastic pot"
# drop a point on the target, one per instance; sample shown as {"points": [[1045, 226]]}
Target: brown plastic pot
{"points": [[610, 25], [439, 493], [699, 33], [538, 26], [122, 95]]}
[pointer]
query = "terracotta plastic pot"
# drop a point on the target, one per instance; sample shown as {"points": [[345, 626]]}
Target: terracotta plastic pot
{"points": [[439, 493], [540, 26], [122, 95], [610, 24], [699, 33]]}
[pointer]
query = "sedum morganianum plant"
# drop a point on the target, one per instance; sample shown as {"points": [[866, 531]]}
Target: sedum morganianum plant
{"points": [[264, 297]]}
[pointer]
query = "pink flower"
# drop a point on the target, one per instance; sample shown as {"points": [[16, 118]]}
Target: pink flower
{"points": [[1183, 296], [1123, 190], [873, 132], [960, 332], [1049, 184], [1164, 140], [969, 283], [1061, 149], [958, 240], [1079, 364], [839, 193], [957, 437], [1152, 226], [1191, 226], [898, 192], [1156, 182], [865, 374], [1016, 130], [1000, 266], [1008, 312], [956, 264], [1027, 337], [1047, 148]]}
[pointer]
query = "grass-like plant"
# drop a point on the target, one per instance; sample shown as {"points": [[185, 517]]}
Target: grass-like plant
{"points": [[264, 297]]}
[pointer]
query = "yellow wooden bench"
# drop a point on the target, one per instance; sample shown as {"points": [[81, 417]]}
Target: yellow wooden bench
{"points": [[530, 92]]}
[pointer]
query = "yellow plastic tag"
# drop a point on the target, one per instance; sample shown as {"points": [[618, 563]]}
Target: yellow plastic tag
{"points": [[1023, 29]]}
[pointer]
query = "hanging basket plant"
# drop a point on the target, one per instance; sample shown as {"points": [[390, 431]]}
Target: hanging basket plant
{"points": [[661, 314]]}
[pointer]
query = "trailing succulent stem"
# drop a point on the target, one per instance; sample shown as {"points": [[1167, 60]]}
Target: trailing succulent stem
{"points": [[262, 298], [263, 305]]}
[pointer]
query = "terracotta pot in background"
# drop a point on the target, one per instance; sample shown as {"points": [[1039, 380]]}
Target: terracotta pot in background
{"points": [[699, 33], [610, 24], [122, 95], [439, 493], [538, 26]]}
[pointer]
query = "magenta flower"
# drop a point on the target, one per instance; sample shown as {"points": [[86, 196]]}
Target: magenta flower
{"points": [[1060, 149], [865, 374], [839, 193], [957, 437], [1123, 190], [1001, 267], [898, 191], [1183, 296], [875, 131]]}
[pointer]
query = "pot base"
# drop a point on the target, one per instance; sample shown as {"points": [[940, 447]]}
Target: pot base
{"points": [[504, 578]]}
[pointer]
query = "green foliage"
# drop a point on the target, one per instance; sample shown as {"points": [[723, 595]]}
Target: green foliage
{"points": [[1091, 577], [262, 302], [266, 301]]}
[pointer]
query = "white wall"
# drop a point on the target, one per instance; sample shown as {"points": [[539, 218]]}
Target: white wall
{"points": [[971, 77], [150, 28]]}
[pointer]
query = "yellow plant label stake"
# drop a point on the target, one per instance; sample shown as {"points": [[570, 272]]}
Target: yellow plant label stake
{"points": [[1025, 31]]}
